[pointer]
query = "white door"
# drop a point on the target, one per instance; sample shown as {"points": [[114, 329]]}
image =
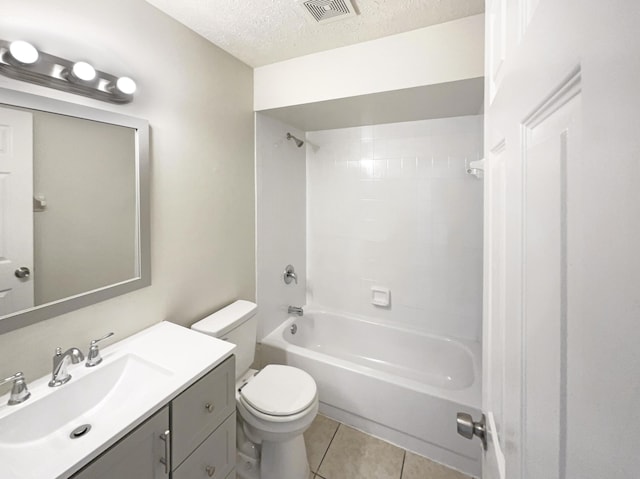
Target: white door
{"points": [[16, 210], [562, 239]]}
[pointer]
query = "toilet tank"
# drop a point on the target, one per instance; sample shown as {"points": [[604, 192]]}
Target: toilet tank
{"points": [[236, 323]]}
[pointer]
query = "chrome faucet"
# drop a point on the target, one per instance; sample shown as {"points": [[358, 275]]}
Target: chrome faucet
{"points": [[297, 310], [93, 357], [19, 392], [59, 375], [290, 275]]}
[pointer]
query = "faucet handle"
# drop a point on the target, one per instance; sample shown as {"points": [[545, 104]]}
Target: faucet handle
{"points": [[19, 392], [290, 274], [93, 357]]}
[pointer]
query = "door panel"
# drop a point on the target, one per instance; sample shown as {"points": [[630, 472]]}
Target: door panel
{"points": [[16, 209], [495, 308], [566, 103], [552, 138], [496, 43]]}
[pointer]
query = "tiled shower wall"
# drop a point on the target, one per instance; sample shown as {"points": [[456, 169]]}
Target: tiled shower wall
{"points": [[392, 205]]}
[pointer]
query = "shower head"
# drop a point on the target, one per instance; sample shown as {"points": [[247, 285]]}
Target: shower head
{"points": [[299, 143]]}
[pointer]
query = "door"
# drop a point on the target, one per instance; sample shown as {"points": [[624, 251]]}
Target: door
{"points": [[143, 454], [16, 211], [562, 227]]}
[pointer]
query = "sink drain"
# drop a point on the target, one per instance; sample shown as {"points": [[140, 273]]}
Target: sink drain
{"points": [[80, 431]]}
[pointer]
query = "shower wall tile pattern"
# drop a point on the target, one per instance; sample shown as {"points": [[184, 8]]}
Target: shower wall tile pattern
{"points": [[392, 205]]}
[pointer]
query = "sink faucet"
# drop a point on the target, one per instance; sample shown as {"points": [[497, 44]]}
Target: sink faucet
{"points": [[19, 392], [297, 310], [60, 376]]}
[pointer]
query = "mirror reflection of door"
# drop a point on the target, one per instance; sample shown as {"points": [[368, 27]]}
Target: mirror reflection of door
{"points": [[86, 236], [16, 211], [68, 207]]}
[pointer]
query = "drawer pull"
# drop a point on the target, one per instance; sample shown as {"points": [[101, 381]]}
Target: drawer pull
{"points": [[210, 470], [209, 407], [166, 460]]}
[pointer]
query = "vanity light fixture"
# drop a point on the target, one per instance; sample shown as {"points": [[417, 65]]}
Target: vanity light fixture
{"points": [[23, 52], [22, 61], [126, 85], [83, 71]]}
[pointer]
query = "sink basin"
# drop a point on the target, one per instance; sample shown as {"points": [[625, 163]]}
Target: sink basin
{"points": [[92, 399], [137, 377]]}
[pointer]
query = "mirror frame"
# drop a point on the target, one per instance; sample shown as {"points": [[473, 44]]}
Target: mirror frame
{"points": [[13, 98]]}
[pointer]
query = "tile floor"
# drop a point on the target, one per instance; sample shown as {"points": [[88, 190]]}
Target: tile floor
{"points": [[336, 451]]}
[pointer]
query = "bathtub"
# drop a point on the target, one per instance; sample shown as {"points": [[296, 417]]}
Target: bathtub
{"points": [[397, 384]]}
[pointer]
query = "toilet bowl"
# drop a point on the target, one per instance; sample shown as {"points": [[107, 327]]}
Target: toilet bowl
{"points": [[275, 405]]}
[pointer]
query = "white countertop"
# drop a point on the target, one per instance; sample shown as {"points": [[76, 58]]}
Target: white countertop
{"points": [[175, 357]]}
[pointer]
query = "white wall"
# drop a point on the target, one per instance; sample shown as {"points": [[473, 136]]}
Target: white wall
{"points": [[437, 54], [280, 221], [198, 100], [391, 205]]}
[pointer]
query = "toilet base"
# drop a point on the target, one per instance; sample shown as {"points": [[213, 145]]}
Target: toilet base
{"points": [[271, 459], [284, 459], [247, 467], [278, 460]]}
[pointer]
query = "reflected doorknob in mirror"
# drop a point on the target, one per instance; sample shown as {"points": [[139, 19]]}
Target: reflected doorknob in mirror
{"points": [[22, 272]]}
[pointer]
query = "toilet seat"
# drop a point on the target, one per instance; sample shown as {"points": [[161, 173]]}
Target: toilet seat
{"points": [[279, 392]]}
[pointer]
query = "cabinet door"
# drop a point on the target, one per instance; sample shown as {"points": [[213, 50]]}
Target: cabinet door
{"points": [[198, 411], [215, 458], [137, 456]]}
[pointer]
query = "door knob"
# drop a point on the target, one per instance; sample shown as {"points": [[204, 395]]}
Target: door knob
{"points": [[22, 272], [468, 428]]}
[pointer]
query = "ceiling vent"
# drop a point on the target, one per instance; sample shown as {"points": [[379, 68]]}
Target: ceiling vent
{"points": [[326, 11]]}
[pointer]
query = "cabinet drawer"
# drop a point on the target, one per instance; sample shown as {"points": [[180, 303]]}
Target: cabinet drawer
{"points": [[216, 456], [198, 411]]}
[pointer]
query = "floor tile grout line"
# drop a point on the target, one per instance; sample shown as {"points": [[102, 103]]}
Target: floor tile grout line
{"points": [[327, 450], [404, 458]]}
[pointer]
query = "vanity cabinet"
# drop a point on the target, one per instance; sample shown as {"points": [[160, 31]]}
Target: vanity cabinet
{"points": [[203, 426], [202, 438], [136, 456]]}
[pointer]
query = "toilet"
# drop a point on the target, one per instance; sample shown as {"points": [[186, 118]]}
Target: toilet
{"points": [[275, 405]]}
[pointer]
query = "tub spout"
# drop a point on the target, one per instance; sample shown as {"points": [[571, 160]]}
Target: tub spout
{"points": [[295, 310]]}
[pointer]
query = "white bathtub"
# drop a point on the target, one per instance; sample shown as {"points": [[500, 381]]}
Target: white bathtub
{"points": [[401, 385]]}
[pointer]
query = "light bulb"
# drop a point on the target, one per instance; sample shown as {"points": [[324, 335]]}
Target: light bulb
{"points": [[23, 52], [126, 85], [83, 71]]}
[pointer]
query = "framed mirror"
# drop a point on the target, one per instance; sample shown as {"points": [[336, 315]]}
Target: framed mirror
{"points": [[74, 207]]}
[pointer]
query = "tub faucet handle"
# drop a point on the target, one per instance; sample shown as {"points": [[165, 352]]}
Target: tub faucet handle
{"points": [[290, 274]]}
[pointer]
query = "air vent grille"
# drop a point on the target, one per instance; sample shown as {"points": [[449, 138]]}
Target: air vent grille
{"points": [[323, 11]]}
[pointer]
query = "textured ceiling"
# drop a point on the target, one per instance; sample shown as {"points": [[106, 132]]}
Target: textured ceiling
{"points": [[260, 32]]}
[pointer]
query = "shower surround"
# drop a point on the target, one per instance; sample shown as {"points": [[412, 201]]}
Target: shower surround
{"points": [[392, 205]]}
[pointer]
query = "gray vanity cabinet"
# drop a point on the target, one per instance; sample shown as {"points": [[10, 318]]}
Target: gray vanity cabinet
{"points": [[202, 425], [215, 457], [136, 456], [198, 411]]}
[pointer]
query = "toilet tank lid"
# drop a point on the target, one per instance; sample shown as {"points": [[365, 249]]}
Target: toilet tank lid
{"points": [[224, 320]]}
